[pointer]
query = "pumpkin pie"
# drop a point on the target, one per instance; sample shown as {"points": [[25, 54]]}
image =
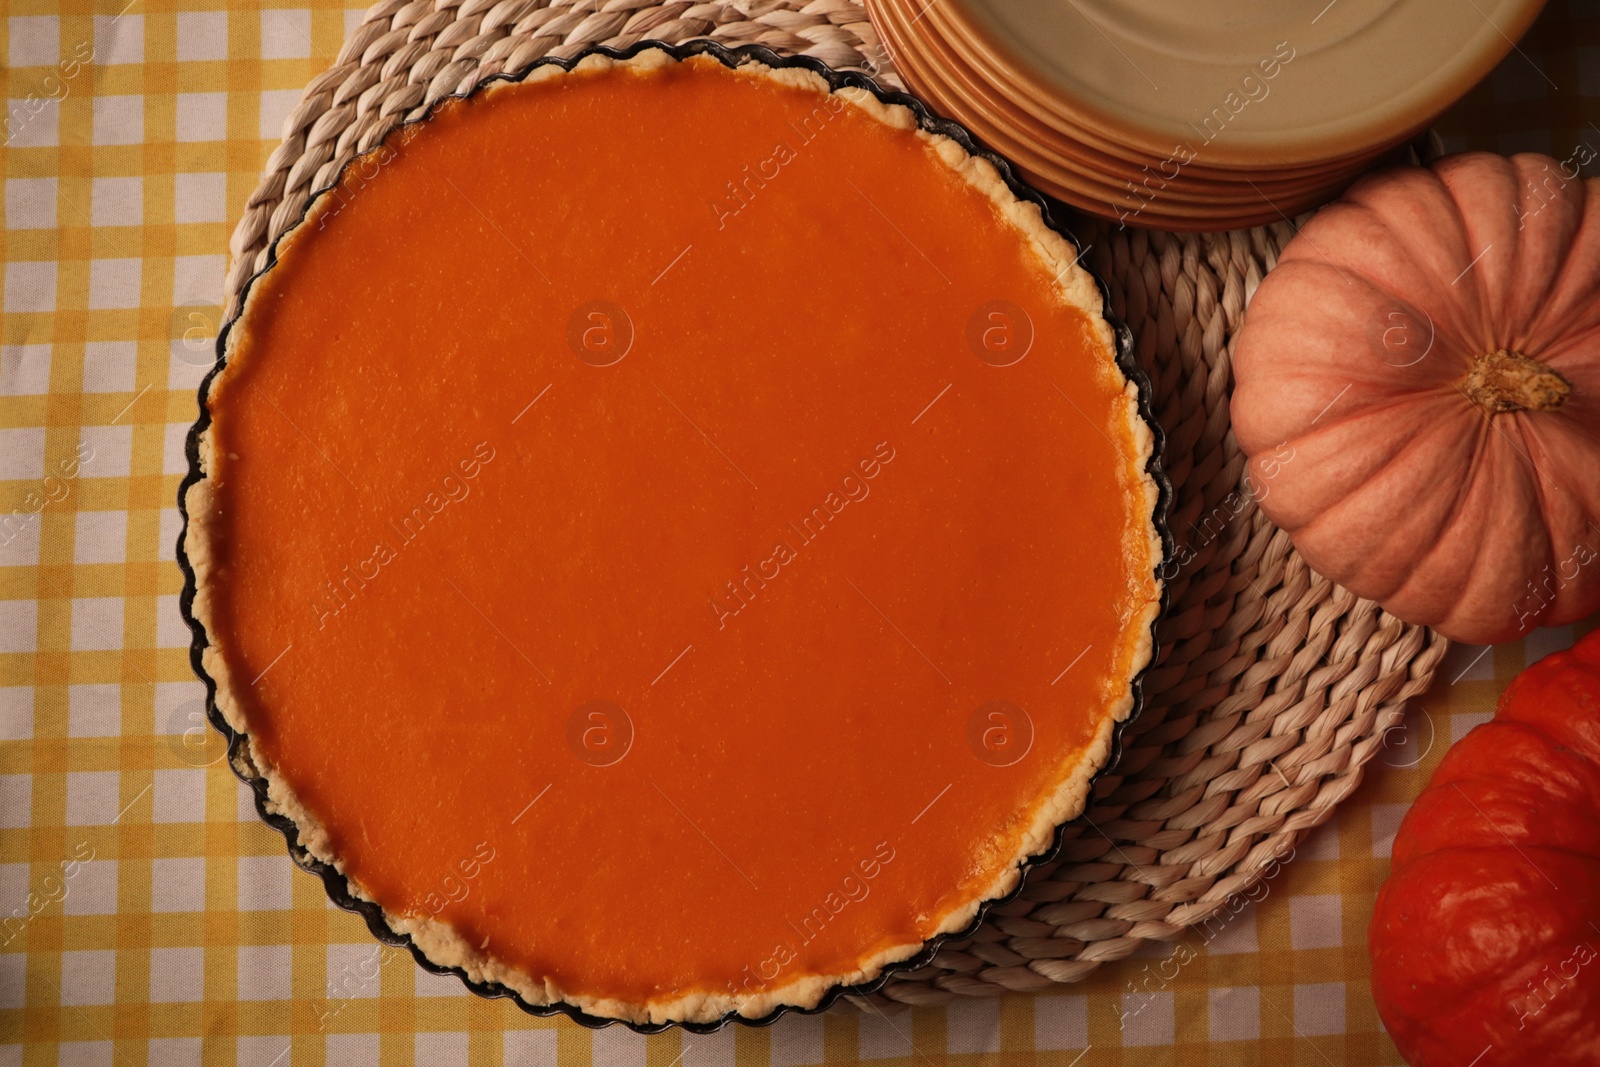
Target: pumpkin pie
{"points": [[674, 536]]}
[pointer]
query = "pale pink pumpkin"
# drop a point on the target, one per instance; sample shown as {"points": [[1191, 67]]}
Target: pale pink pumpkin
{"points": [[1426, 354]]}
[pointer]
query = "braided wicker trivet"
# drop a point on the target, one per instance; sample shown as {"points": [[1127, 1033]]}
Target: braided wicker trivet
{"points": [[1274, 686]]}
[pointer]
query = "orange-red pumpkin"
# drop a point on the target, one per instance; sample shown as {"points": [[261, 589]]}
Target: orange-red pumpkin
{"points": [[1486, 938], [1428, 352]]}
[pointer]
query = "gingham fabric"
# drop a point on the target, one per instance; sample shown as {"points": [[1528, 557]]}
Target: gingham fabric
{"points": [[148, 917], [1545, 95]]}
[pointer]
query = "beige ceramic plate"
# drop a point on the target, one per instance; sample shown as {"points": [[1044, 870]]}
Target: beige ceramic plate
{"points": [[1160, 211], [978, 88], [1076, 175], [1283, 82], [1034, 97], [940, 73]]}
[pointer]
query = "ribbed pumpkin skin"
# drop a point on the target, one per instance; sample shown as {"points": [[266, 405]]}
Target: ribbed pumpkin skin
{"points": [[1485, 939], [1351, 362]]}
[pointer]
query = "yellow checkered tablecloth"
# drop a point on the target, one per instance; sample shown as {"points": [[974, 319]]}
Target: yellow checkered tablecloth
{"points": [[147, 916]]}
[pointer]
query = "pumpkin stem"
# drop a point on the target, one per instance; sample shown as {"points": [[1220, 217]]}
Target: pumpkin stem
{"points": [[1505, 381]]}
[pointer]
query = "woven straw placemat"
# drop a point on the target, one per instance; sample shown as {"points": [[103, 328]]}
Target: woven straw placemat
{"points": [[1274, 687]]}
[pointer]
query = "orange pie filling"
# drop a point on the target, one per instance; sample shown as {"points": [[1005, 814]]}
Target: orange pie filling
{"points": [[677, 539]]}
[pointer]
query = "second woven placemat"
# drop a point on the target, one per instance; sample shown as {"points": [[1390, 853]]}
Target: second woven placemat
{"points": [[1274, 686]]}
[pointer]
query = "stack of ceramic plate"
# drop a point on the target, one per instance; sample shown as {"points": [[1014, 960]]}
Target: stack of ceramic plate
{"points": [[1199, 114]]}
